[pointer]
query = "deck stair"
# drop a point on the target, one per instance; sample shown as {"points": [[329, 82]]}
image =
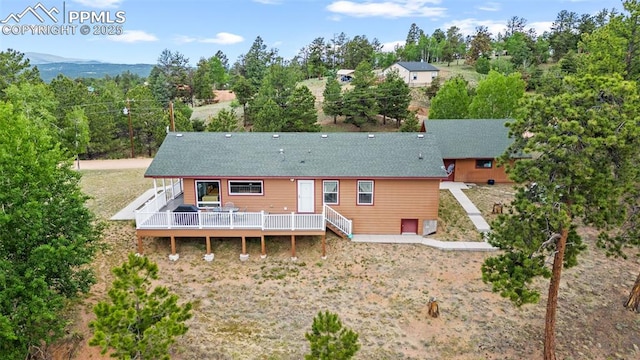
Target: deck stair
{"points": [[337, 223], [337, 231]]}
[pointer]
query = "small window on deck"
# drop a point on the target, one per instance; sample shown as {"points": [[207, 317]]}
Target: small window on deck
{"points": [[245, 187], [484, 164]]}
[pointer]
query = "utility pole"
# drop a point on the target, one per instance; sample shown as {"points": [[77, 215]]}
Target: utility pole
{"points": [[172, 120], [127, 111]]}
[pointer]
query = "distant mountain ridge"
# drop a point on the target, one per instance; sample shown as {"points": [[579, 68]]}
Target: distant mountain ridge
{"points": [[36, 58], [51, 66]]}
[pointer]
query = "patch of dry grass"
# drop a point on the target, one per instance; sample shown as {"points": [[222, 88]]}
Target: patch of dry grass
{"points": [[453, 222], [112, 190]]}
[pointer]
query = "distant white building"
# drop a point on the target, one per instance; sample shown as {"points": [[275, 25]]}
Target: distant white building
{"points": [[414, 73], [345, 74]]}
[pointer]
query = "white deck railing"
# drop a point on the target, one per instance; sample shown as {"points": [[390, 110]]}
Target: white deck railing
{"points": [[228, 220], [336, 219], [149, 216]]}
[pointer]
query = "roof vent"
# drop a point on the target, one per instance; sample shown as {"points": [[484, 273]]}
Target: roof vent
{"points": [[371, 136], [227, 135], [275, 136], [281, 151], [420, 136], [420, 156], [324, 136], [178, 135]]}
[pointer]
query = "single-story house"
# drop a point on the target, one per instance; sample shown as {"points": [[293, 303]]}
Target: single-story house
{"points": [[415, 73], [254, 184], [345, 75], [470, 147]]}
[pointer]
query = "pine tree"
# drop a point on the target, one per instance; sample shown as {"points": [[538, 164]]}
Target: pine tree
{"points": [[585, 146], [226, 121], [138, 322], [329, 340], [300, 113], [332, 104], [244, 92], [360, 105], [394, 97]]}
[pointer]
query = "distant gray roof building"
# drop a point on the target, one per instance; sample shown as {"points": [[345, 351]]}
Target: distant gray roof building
{"points": [[255, 154], [415, 66], [470, 138]]}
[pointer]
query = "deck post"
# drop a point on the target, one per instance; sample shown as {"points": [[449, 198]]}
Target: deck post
{"points": [[173, 256], [155, 193], [208, 256], [293, 248], [244, 256], [140, 251], [324, 246], [263, 246]]}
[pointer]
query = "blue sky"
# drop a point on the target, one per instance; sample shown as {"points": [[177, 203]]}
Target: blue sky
{"points": [[200, 28]]}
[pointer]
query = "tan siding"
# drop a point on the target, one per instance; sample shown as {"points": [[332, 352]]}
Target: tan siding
{"points": [[394, 200], [466, 171], [189, 190], [279, 195]]}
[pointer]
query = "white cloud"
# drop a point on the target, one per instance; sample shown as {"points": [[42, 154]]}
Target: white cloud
{"points": [[468, 26], [133, 36], [490, 6], [540, 26], [388, 9], [184, 39], [391, 46], [223, 38], [99, 4], [268, 2]]}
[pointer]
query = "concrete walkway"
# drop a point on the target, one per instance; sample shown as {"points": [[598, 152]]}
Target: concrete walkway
{"points": [[128, 213], [417, 239], [474, 214]]}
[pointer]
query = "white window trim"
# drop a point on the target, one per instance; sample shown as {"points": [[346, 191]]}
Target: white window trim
{"points": [[245, 182], [337, 192], [358, 192], [207, 203]]}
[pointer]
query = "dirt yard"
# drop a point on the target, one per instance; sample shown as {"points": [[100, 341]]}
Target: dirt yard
{"points": [[261, 309]]}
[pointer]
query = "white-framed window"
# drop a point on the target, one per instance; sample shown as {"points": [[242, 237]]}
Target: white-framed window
{"points": [[330, 191], [207, 193], [365, 192], [414, 76], [251, 187]]}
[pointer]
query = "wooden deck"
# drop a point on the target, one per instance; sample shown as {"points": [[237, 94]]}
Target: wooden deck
{"points": [[156, 219]]}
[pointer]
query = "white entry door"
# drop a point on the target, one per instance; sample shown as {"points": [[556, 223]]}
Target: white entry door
{"points": [[305, 196]]}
